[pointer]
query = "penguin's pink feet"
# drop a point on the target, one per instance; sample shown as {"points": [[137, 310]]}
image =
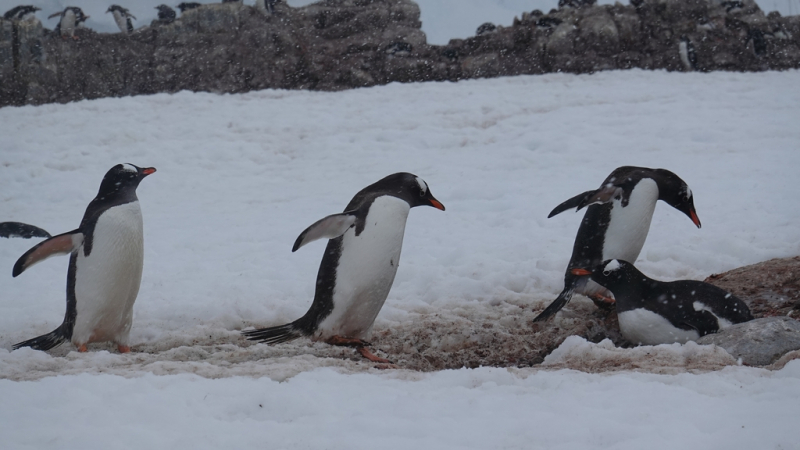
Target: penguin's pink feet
{"points": [[346, 341], [82, 348], [123, 348], [364, 351], [603, 302]]}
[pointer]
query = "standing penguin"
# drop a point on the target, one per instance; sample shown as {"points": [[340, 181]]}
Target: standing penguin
{"points": [[653, 312], [616, 224], [165, 14], [687, 54], [358, 266], [266, 6], [105, 265], [71, 18], [123, 18], [22, 12]]}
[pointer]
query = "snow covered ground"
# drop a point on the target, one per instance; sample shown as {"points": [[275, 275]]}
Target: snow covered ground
{"points": [[442, 20], [240, 176]]}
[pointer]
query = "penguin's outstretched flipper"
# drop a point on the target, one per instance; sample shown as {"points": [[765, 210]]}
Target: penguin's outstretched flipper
{"points": [[574, 202], [275, 335], [57, 245], [21, 230], [563, 298], [47, 341], [329, 227]]}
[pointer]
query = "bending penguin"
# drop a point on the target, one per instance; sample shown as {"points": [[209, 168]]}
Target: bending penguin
{"points": [[122, 17], [21, 230], [105, 265], [652, 312], [71, 18], [358, 266], [616, 224]]}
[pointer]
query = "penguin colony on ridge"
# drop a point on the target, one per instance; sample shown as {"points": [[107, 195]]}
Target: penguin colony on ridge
{"points": [[358, 266], [616, 224], [652, 312], [105, 265], [354, 278]]}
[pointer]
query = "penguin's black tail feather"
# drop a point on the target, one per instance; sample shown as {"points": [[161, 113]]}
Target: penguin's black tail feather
{"points": [[563, 298], [46, 341], [275, 335]]}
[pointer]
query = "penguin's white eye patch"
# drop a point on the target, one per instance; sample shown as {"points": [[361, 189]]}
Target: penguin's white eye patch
{"points": [[423, 187], [129, 168], [610, 267]]}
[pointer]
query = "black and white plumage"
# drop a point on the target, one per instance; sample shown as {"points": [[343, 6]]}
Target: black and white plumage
{"points": [[267, 6], [186, 6], [105, 265], [21, 230], [616, 224], [575, 3], [71, 18], [548, 22], [732, 6], [687, 54], [22, 12], [166, 14], [653, 312], [122, 17], [485, 28], [759, 41], [359, 263], [398, 49]]}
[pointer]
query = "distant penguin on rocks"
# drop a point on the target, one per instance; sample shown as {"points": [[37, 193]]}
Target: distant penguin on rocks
{"points": [[266, 6], [759, 42], [687, 54], [652, 312], [548, 22], [122, 17], [485, 28], [186, 6], [358, 266], [616, 224], [166, 14], [575, 3], [733, 6], [105, 265], [71, 18], [398, 49], [22, 13], [21, 230]]}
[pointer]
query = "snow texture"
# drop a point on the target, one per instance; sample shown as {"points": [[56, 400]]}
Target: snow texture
{"points": [[240, 176]]}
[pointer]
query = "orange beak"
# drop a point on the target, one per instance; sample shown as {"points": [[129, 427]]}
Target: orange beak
{"points": [[580, 272], [435, 203], [148, 170], [694, 218]]}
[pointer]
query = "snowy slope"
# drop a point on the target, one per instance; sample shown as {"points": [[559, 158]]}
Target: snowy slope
{"points": [[442, 20], [240, 176]]}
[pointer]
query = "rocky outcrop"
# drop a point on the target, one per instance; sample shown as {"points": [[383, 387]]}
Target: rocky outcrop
{"points": [[341, 44], [759, 342]]}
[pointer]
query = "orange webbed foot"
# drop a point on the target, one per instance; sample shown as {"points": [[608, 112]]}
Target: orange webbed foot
{"points": [[82, 348], [346, 341], [123, 348], [364, 351]]}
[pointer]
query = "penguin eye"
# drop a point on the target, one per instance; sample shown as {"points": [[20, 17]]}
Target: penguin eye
{"points": [[422, 193], [606, 273]]}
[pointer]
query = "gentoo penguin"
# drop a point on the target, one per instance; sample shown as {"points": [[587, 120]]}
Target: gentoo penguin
{"points": [[105, 265], [123, 18], [575, 3], [186, 6], [485, 28], [733, 6], [165, 14], [687, 53], [398, 48], [616, 224], [358, 266], [654, 312], [71, 18], [759, 43], [22, 230], [548, 22], [22, 12], [267, 6]]}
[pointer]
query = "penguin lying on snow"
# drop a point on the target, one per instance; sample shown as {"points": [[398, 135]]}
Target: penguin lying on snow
{"points": [[105, 265], [22, 230], [122, 17], [22, 12], [358, 266], [616, 224], [653, 312], [71, 18]]}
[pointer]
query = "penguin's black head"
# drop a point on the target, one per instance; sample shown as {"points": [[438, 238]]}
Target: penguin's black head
{"points": [[612, 274], [676, 193], [123, 178], [410, 188]]}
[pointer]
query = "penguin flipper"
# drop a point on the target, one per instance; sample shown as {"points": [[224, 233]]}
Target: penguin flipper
{"points": [[603, 195], [23, 230], [57, 245], [274, 335], [705, 322], [563, 298], [46, 341], [574, 202], [329, 227]]}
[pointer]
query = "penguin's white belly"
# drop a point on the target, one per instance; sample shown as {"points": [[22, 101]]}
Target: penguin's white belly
{"points": [[629, 225], [107, 281], [642, 326], [684, 52], [68, 23], [121, 21], [366, 270]]}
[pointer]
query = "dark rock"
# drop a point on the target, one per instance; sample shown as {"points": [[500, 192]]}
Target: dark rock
{"points": [[759, 342]]}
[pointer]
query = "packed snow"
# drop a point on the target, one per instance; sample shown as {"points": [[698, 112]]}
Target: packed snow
{"points": [[240, 176], [442, 20]]}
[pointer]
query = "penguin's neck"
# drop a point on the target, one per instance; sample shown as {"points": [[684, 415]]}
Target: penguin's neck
{"points": [[628, 225]]}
